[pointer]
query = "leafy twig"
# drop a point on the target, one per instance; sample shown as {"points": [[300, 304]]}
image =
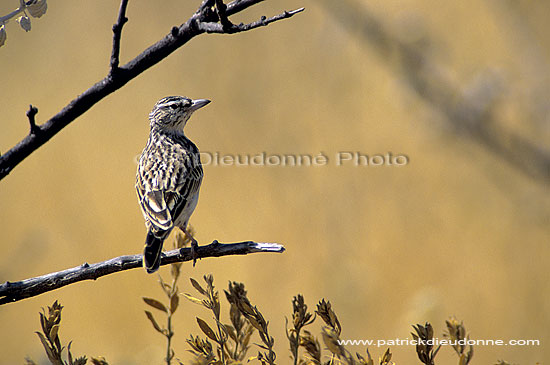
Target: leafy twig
{"points": [[456, 332], [172, 294], [424, 347], [50, 337], [300, 318]]}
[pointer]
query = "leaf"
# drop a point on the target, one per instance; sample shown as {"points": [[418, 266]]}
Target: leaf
{"points": [[197, 286], [167, 288], [3, 35], [155, 304], [80, 360], [246, 308], [69, 355], [193, 299], [38, 8], [53, 332], [255, 324], [49, 352], [216, 306], [43, 322], [175, 271], [174, 302], [248, 334], [99, 361], [231, 332], [25, 22], [153, 321], [206, 329], [261, 346]]}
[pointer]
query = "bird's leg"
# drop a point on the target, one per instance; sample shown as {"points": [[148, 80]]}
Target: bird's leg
{"points": [[194, 246]]}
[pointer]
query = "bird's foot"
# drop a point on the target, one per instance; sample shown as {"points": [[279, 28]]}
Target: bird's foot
{"points": [[194, 246]]}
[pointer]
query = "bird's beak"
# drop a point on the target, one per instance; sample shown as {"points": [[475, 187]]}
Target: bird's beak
{"points": [[199, 103]]}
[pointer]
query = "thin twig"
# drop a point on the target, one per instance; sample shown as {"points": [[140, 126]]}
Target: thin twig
{"points": [[206, 4], [117, 33], [31, 113], [177, 37], [15, 291], [4, 19], [169, 336], [211, 27], [224, 20], [237, 6]]}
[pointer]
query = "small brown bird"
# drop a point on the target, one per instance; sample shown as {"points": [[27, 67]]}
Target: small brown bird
{"points": [[169, 175]]}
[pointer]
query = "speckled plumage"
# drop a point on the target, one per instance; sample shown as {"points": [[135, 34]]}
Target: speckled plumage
{"points": [[169, 174]]}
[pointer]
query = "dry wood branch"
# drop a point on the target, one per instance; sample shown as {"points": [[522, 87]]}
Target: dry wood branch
{"points": [[221, 10], [15, 291], [31, 113], [203, 20], [230, 28], [117, 34]]}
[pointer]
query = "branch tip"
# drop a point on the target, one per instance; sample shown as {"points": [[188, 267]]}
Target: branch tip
{"points": [[117, 34], [31, 113], [269, 247]]}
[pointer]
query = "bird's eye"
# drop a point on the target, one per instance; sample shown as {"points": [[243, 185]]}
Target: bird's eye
{"points": [[174, 106]]}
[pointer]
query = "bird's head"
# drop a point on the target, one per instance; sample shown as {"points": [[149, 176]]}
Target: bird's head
{"points": [[173, 112]]}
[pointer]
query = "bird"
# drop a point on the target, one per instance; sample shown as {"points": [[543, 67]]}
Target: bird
{"points": [[169, 175]]}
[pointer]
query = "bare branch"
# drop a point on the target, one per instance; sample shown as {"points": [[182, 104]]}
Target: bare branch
{"points": [[15, 291], [178, 36], [117, 33], [237, 6], [31, 113], [211, 27], [224, 20], [205, 6]]}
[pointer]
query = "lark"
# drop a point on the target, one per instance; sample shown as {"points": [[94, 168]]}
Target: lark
{"points": [[169, 175]]}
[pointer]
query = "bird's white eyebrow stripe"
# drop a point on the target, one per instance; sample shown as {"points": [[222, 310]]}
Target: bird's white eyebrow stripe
{"points": [[175, 102]]}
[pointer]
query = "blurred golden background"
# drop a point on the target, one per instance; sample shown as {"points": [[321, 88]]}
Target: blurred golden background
{"points": [[461, 230]]}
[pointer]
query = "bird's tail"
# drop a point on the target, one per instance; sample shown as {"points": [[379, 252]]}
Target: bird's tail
{"points": [[151, 253]]}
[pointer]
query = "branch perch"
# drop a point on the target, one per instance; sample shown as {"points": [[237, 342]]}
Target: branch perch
{"points": [[15, 291], [202, 21]]}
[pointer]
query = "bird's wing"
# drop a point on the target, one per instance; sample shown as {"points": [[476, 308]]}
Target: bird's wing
{"points": [[165, 187]]}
